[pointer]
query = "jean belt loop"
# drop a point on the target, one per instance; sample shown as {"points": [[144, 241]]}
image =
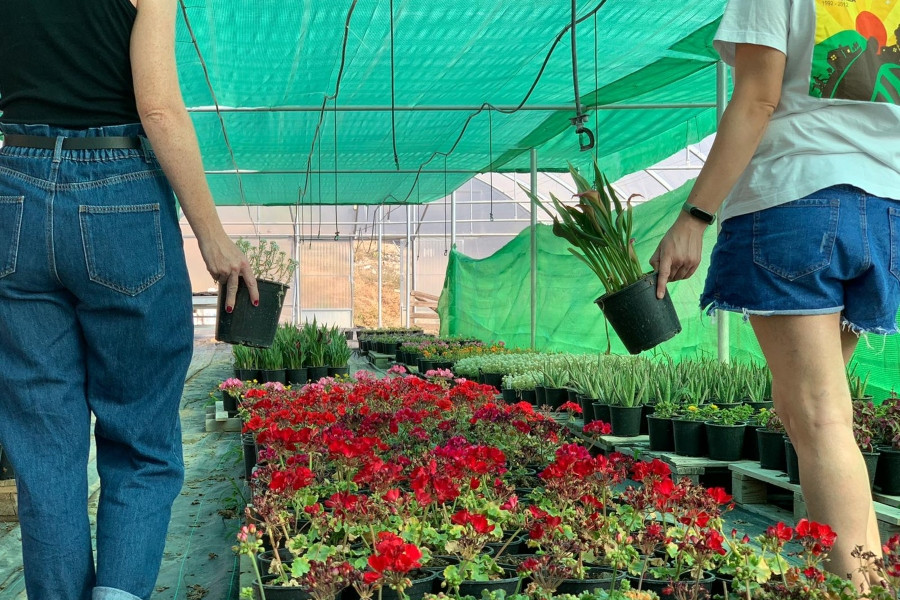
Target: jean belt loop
{"points": [[57, 150], [147, 150]]}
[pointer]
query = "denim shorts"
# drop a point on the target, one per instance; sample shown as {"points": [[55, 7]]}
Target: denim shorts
{"points": [[834, 251]]}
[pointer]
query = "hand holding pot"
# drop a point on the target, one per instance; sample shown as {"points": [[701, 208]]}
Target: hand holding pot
{"points": [[225, 262], [679, 252]]}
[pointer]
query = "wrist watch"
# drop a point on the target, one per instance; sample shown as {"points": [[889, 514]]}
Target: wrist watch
{"points": [[698, 213]]}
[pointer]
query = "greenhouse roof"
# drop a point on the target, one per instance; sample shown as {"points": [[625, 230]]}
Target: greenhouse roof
{"points": [[272, 66]]}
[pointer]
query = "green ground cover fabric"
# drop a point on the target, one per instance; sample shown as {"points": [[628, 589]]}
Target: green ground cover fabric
{"points": [[268, 54], [489, 299]]}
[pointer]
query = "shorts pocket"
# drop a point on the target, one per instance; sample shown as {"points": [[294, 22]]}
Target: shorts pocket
{"points": [[894, 216], [795, 239], [123, 246], [10, 228]]}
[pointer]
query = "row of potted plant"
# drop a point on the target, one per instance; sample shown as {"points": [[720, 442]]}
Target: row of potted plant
{"points": [[298, 354], [400, 485]]}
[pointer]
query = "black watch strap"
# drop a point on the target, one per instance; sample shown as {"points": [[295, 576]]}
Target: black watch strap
{"points": [[698, 213]]}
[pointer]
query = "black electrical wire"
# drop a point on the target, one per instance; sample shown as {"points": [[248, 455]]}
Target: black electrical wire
{"points": [[488, 106], [393, 94], [596, 91], [337, 232], [491, 157], [445, 205], [574, 32]]}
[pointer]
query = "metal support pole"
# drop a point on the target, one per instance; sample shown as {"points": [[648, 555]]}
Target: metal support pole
{"points": [[453, 220], [352, 242], [440, 108], [380, 236], [409, 260], [724, 335], [534, 208]]}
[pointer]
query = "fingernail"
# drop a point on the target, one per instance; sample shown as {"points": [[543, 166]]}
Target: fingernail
{"points": [[228, 309], [256, 303]]}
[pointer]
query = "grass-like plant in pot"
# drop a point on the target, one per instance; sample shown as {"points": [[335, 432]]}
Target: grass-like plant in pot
{"points": [[600, 230], [256, 325]]}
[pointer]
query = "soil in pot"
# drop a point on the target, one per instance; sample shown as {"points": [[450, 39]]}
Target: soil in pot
{"points": [[250, 325], [771, 449], [725, 442], [690, 437], [640, 319], [626, 420]]}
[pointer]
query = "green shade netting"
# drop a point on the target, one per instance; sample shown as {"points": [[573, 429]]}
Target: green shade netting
{"points": [[489, 299], [268, 54]]}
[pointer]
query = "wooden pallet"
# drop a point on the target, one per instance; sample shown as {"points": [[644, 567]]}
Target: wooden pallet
{"points": [[692, 467], [606, 443], [750, 483], [218, 419], [9, 500]]}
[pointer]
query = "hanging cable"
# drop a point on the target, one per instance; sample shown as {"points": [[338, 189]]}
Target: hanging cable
{"points": [[337, 232], [580, 116], [488, 106], [215, 100], [393, 94], [491, 157], [319, 203], [446, 200], [596, 91]]}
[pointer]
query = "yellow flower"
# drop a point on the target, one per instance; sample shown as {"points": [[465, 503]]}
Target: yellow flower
{"points": [[692, 408]]}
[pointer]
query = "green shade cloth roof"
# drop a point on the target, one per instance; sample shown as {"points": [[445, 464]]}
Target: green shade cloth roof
{"points": [[267, 54]]}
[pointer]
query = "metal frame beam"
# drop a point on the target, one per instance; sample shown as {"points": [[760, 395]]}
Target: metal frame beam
{"points": [[508, 108]]}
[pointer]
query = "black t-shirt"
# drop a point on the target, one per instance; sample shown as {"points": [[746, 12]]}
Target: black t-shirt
{"points": [[66, 63]]}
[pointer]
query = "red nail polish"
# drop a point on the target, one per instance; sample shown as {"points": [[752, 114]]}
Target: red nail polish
{"points": [[228, 309], [256, 303]]}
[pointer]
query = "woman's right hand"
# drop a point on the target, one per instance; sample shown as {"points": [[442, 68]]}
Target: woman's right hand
{"points": [[225, 262]]}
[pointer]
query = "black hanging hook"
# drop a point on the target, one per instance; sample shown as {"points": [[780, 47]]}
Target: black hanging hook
{"points": [[581, 130]]}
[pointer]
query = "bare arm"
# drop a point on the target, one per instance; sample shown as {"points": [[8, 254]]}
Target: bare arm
{"points": [[171, 132], [758, 75]]}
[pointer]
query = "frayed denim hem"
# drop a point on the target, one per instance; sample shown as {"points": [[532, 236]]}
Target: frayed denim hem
{"points": [[108, 593], [859, 330], [712, 307]]}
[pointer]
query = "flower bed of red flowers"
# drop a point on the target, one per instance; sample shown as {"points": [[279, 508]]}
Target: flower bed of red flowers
{"points": [[374, 483]]}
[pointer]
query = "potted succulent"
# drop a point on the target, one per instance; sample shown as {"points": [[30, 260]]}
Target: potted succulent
{"points": [[246, 367], [689, 430], [316, 346], [555, 379], [627, 397], [337, 352], [600, 231], [256, 325], [857, 384], [290, 340]]}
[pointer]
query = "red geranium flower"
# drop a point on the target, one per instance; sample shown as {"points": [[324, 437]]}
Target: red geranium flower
{"points": [[393, 554]]}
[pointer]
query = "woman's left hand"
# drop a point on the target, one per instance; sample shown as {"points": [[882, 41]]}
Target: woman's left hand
{"points": [[679, 252]]}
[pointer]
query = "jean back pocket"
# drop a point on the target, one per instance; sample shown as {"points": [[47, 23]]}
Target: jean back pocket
{"points": [[11, 208], [894, 216], [123, 246], [797, 238]]}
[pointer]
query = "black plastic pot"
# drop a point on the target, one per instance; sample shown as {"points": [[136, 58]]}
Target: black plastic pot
{"points": [[556, 397], [338, 371], [597, 578], [279, 592], [422, 584], [475, 588], [493, 379], [793, 465], [887, 478], [871, 459], [659, 586], [601, 412], [316, 373], [660, 432], [751, 445], [640, 319], [248, 444], [296, 376], [690, 437], [767, 404], [389, 348], [529, 396], [647, 410], [247, 374], [249, 325], [771, 449], [6, 468], [509, 396], [541, 395], [516, 545], [725, 442], [229, 403], [272, 376], [626, 420], [264, 559], [587, 408]]}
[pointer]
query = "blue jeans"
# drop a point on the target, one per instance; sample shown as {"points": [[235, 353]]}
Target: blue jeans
{"points": [[835, 251], [95, 318]]}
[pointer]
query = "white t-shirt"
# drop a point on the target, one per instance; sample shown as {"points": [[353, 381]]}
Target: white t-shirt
{"points": [[838, 119]]}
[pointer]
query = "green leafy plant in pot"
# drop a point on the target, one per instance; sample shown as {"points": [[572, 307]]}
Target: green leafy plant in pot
{"points": [[599, 228], [250, 325]]}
